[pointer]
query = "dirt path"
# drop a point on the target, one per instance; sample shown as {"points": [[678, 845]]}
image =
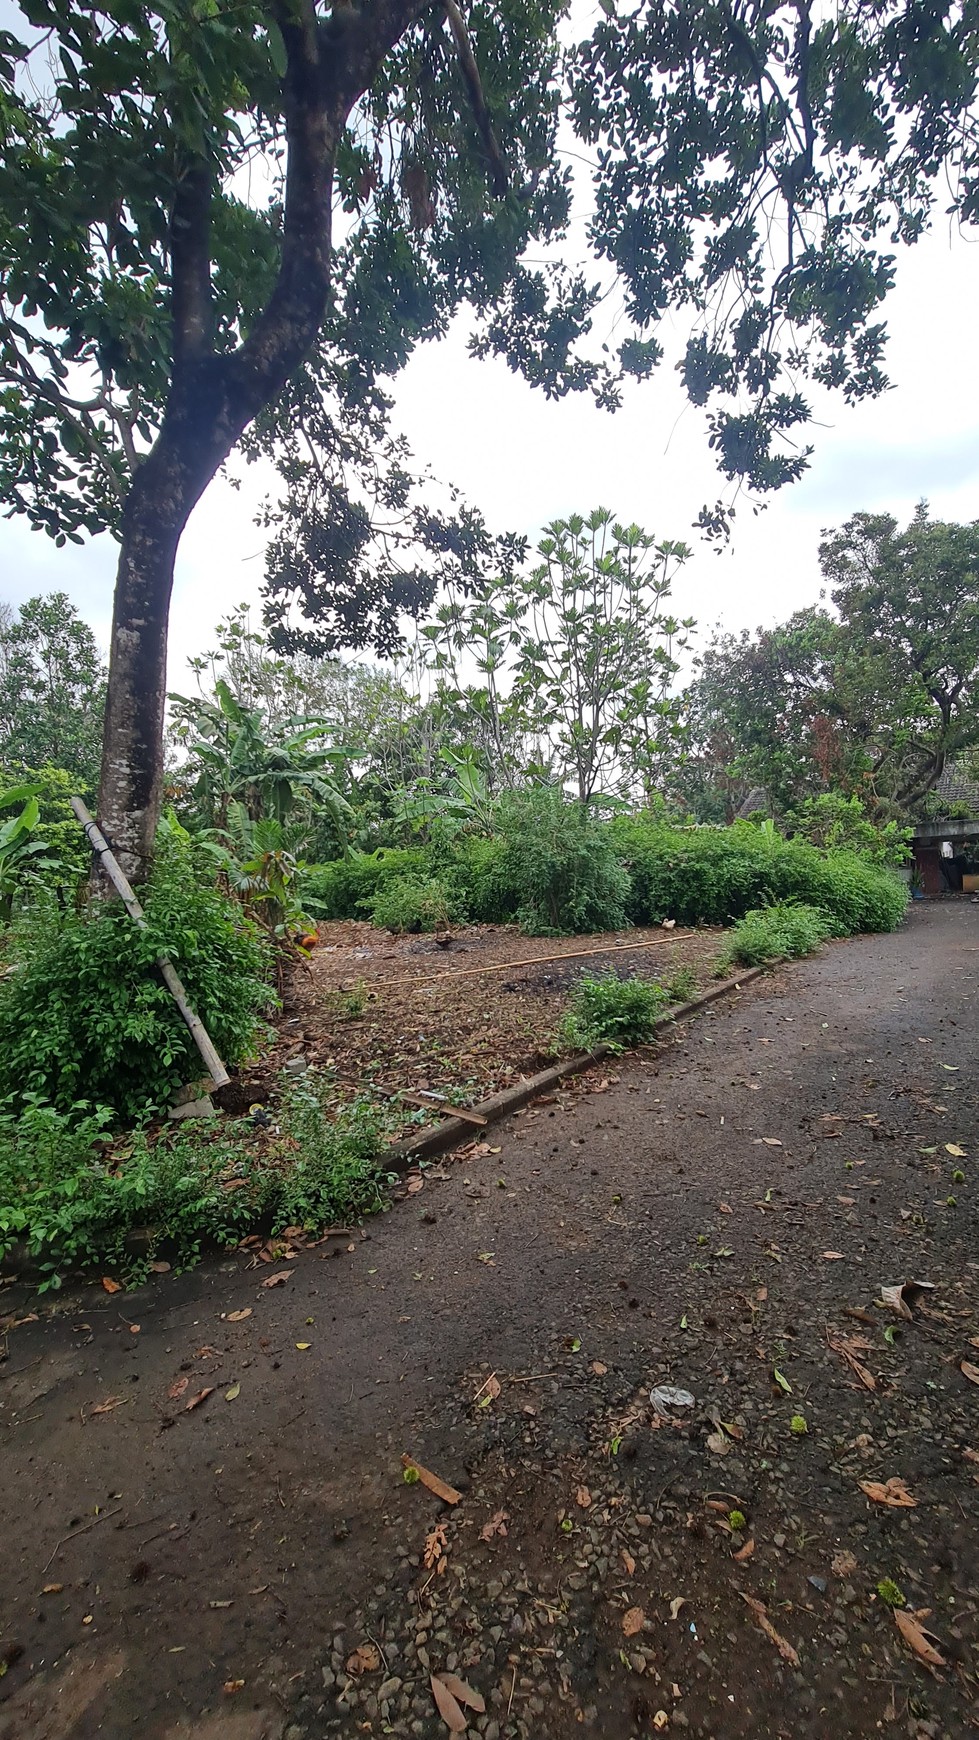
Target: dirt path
{"points": [[651, 1233]]}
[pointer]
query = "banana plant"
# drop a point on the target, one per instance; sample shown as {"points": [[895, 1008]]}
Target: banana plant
{"points": [[22, 857], [261, 862], [271, 777]]}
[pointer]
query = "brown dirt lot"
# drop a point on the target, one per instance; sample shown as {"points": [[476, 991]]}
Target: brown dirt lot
{"points": [[465, 1019], [728, 1210]]}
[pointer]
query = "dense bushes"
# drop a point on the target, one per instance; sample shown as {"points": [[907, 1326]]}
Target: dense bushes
{"points": [[554, 870], [557, 871], [70, 1202], [717, 875], [341, 888], [84, 1013], [409, 903]]}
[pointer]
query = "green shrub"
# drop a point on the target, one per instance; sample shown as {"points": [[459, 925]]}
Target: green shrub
{"points": [[558, 871], [341, 888], [717, 875], [85, 1015], [409, 904], [337, 1172], [775, 933], [612, 1011], [74, 1203]]}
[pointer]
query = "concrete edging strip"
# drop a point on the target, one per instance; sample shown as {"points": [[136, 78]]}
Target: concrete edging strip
{"points": [[404, 1154]]}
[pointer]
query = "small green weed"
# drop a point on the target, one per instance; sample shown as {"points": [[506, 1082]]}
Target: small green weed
{"points": [[775, 933], [682, 986], [611, 1011], [350, 1004], [890, 1593], [737, 1520]]}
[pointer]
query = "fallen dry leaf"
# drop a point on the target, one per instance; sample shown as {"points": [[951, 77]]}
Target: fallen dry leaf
{"points": [[583, 1498], [633, 1620], [52, 1589], [745, 1552], [900, 1298], [833, 1257], [892, 1492], [448, 1706], [239, 1316], [845, 1346], [201, 1396], [598, 1368], [843, 1564], [760, 1612], [766, 1142], [279, 1277], [108, 1405], [231, 1686], [718, 1444], [969, 1371], [415, 1185], [177, 1388], [464, 1693], [628, 1561], [110, 1285], [956, 1152], [916, 1639], [232, 1394], [441, 1488], [436, 1547], [488, 1392], [366, 1659], [497, 1525]]}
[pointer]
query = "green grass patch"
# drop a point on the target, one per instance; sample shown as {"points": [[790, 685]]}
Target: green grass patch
{"points": [[73, 1196]]}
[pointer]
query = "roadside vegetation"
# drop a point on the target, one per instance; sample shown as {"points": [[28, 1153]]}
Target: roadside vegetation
{"points": [[555, 794]]}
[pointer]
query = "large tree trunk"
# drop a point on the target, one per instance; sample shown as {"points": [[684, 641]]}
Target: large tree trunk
{"points": [[132, 760], [213, 398]]}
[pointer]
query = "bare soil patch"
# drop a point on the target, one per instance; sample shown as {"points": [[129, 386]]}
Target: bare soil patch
{"points": [[463, 1018]]}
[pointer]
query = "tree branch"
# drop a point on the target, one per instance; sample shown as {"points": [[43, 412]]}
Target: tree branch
{"points": [[190, 262], [474, 85]]}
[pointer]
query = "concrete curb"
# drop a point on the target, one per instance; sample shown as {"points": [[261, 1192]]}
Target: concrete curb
{"points": [[401, 1156]]}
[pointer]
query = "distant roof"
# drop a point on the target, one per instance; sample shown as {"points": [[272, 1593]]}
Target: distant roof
{"points": [[955, 787], [756, 800]]}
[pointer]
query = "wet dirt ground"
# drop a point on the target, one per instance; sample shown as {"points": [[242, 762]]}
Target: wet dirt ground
{"points": [[721, 1219]]}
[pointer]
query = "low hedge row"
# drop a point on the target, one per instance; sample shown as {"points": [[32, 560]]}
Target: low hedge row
{"points": [[563, 874]]}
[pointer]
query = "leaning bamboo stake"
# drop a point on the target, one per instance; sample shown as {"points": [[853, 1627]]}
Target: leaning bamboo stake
{"points": [[199, 1034]]}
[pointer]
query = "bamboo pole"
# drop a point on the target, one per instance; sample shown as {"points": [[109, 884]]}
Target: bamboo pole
{"points": [[199, 1034]]}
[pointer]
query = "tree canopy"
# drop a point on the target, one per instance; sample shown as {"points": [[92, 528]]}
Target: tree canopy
{"points": [[873, 700], [220, 216], [52, 688]]}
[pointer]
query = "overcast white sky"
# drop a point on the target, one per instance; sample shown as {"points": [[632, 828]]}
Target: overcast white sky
{"points": [[525, 460]]}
